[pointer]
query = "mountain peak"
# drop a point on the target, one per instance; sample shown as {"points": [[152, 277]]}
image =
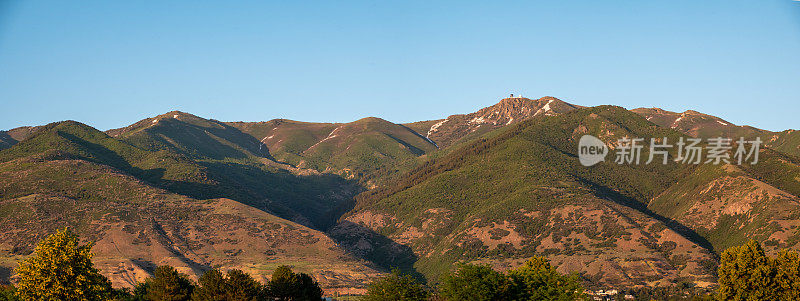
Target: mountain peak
{"points": [[176, 114], [509, 110]]}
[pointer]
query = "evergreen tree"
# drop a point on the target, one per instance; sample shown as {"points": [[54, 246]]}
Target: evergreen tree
{"points": [[61, 269], [747, 273], [211, 287], [284, 284], [169, 285], [309, 288], [788, 275], [241, 286], [287, 285], [396, 287]]}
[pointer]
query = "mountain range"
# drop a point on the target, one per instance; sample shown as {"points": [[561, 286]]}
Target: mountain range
{"points": [[346, 202]]}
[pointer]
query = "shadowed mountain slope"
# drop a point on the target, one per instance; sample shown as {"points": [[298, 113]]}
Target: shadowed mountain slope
{"points": [[165, 156], [13, 136], [137, 227]]}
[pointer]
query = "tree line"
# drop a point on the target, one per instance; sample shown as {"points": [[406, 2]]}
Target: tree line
{"points": [[61, 269]]}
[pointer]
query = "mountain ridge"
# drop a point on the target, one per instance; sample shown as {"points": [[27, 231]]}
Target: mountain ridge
{"points": [[492, 186]]}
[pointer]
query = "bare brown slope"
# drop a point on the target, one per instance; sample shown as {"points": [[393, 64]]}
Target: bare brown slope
{"points": [[136, 226], [697, 124], [13, 136], [729, 205]]}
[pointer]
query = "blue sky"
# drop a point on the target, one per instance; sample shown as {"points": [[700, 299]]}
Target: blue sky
{"points": [[111, 63]]}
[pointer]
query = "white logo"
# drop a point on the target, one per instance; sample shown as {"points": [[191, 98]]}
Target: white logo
{"points": [[591, 150], [689, 151]]}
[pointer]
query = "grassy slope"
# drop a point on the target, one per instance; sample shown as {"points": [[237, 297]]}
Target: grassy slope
{"points": [[787, 142], [366, 149], [730, 204], [524, 184], [165, 155]]}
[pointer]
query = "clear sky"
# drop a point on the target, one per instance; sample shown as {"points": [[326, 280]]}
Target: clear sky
{"points": [[111, 63]]}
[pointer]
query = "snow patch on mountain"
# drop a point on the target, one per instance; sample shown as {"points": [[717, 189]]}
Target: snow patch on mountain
{"points": [[477, 120], [545, 109], [435, 127], [675, 123], [330, 136]]}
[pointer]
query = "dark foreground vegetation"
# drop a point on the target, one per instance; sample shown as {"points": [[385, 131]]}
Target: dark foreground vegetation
{"points": [[61, 269]]}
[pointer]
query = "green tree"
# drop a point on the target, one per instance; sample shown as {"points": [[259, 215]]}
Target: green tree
{"points": [[139, 292], [287, 285], [284, 284], [538, 280], [236, 286], [788, 275], [309, 288], [747, 273], [169, 285], [61, 269], [396, 287], [476, 282], [242, 287], [211, 287]]}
